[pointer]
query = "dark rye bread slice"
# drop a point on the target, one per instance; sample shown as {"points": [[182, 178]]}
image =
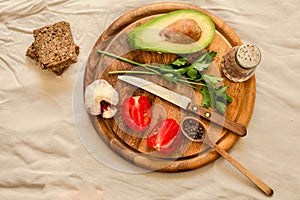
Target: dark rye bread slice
{"points": [[31, 52], [54, 47]]}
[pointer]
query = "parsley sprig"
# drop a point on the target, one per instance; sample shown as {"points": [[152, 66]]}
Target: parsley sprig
{"points": [[180, 70]]}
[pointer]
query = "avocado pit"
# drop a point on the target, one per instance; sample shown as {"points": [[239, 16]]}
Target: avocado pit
{"points": [[182, 31]]}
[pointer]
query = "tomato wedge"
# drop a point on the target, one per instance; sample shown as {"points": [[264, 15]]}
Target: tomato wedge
{"points": [[136, 112], [165, 136]]}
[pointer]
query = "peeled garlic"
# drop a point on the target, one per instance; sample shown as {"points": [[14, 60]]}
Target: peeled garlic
{"points": [[101, 99]]}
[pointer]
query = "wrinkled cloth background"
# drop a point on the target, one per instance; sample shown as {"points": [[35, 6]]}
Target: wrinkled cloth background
{"points": [[44, 156]]}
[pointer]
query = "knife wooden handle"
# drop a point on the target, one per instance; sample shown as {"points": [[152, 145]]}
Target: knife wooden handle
{"points": [[237, 128]]}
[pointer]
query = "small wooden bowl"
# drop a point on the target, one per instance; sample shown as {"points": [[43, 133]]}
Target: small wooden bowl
{"points": [[193, 120]]}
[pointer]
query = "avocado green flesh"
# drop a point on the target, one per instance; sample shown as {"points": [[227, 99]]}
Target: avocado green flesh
{"points": [[147, 37]]}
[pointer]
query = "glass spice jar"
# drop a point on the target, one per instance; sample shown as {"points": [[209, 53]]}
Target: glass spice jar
{"points": [[240, 62]]}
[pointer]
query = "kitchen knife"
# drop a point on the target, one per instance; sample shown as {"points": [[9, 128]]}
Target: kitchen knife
{"points": [[185, 103]]}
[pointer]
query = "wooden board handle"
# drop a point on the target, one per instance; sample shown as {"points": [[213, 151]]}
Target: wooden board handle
{"points": [[237, 128], [252, 177]]}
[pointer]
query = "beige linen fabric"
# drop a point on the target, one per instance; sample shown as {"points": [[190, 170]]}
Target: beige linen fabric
{"points": [[45, 154]]}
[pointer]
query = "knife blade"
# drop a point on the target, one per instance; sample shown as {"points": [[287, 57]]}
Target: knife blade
{"points": [[185, 103]]}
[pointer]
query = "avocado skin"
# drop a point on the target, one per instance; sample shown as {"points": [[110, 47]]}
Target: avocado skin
{"points": [[136, 42]]}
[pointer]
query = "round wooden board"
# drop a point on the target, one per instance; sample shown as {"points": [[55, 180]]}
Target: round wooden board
{"points": [[132, 146]]}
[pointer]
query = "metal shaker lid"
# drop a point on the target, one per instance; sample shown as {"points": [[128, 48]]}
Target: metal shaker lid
{"points": [[248, 55]]}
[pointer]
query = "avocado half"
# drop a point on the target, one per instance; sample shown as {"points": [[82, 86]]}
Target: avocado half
{"points": [[147, 36]]}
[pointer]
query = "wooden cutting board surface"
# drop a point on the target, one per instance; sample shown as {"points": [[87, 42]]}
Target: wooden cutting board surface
{"points": [[132, 146]]}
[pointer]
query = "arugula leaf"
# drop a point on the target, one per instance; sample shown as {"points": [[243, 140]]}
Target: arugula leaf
{"points": [[221, 91], [221, 107], [211, 81], [165, 67], [181, 70], [171, 77], [203, 62], [206, 100], [212, 55], [179, 62], [214, 96], [228, 98], [191, 73]]}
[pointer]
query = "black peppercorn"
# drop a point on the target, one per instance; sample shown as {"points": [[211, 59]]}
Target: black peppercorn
{"points": [[193, 129]]}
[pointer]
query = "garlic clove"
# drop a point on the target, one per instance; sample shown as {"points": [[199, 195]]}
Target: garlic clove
{"points": [[98, 91], [110, 112]]}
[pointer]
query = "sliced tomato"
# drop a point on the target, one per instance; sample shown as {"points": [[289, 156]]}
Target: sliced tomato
{"points": [[165, 136], [136, 112]]}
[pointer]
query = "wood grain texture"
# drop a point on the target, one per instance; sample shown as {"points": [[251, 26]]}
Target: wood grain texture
{"points": [[251, 176], [132, 146]]}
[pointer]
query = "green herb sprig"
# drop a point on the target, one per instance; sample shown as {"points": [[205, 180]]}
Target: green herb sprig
{"points": [[192, 75]]}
